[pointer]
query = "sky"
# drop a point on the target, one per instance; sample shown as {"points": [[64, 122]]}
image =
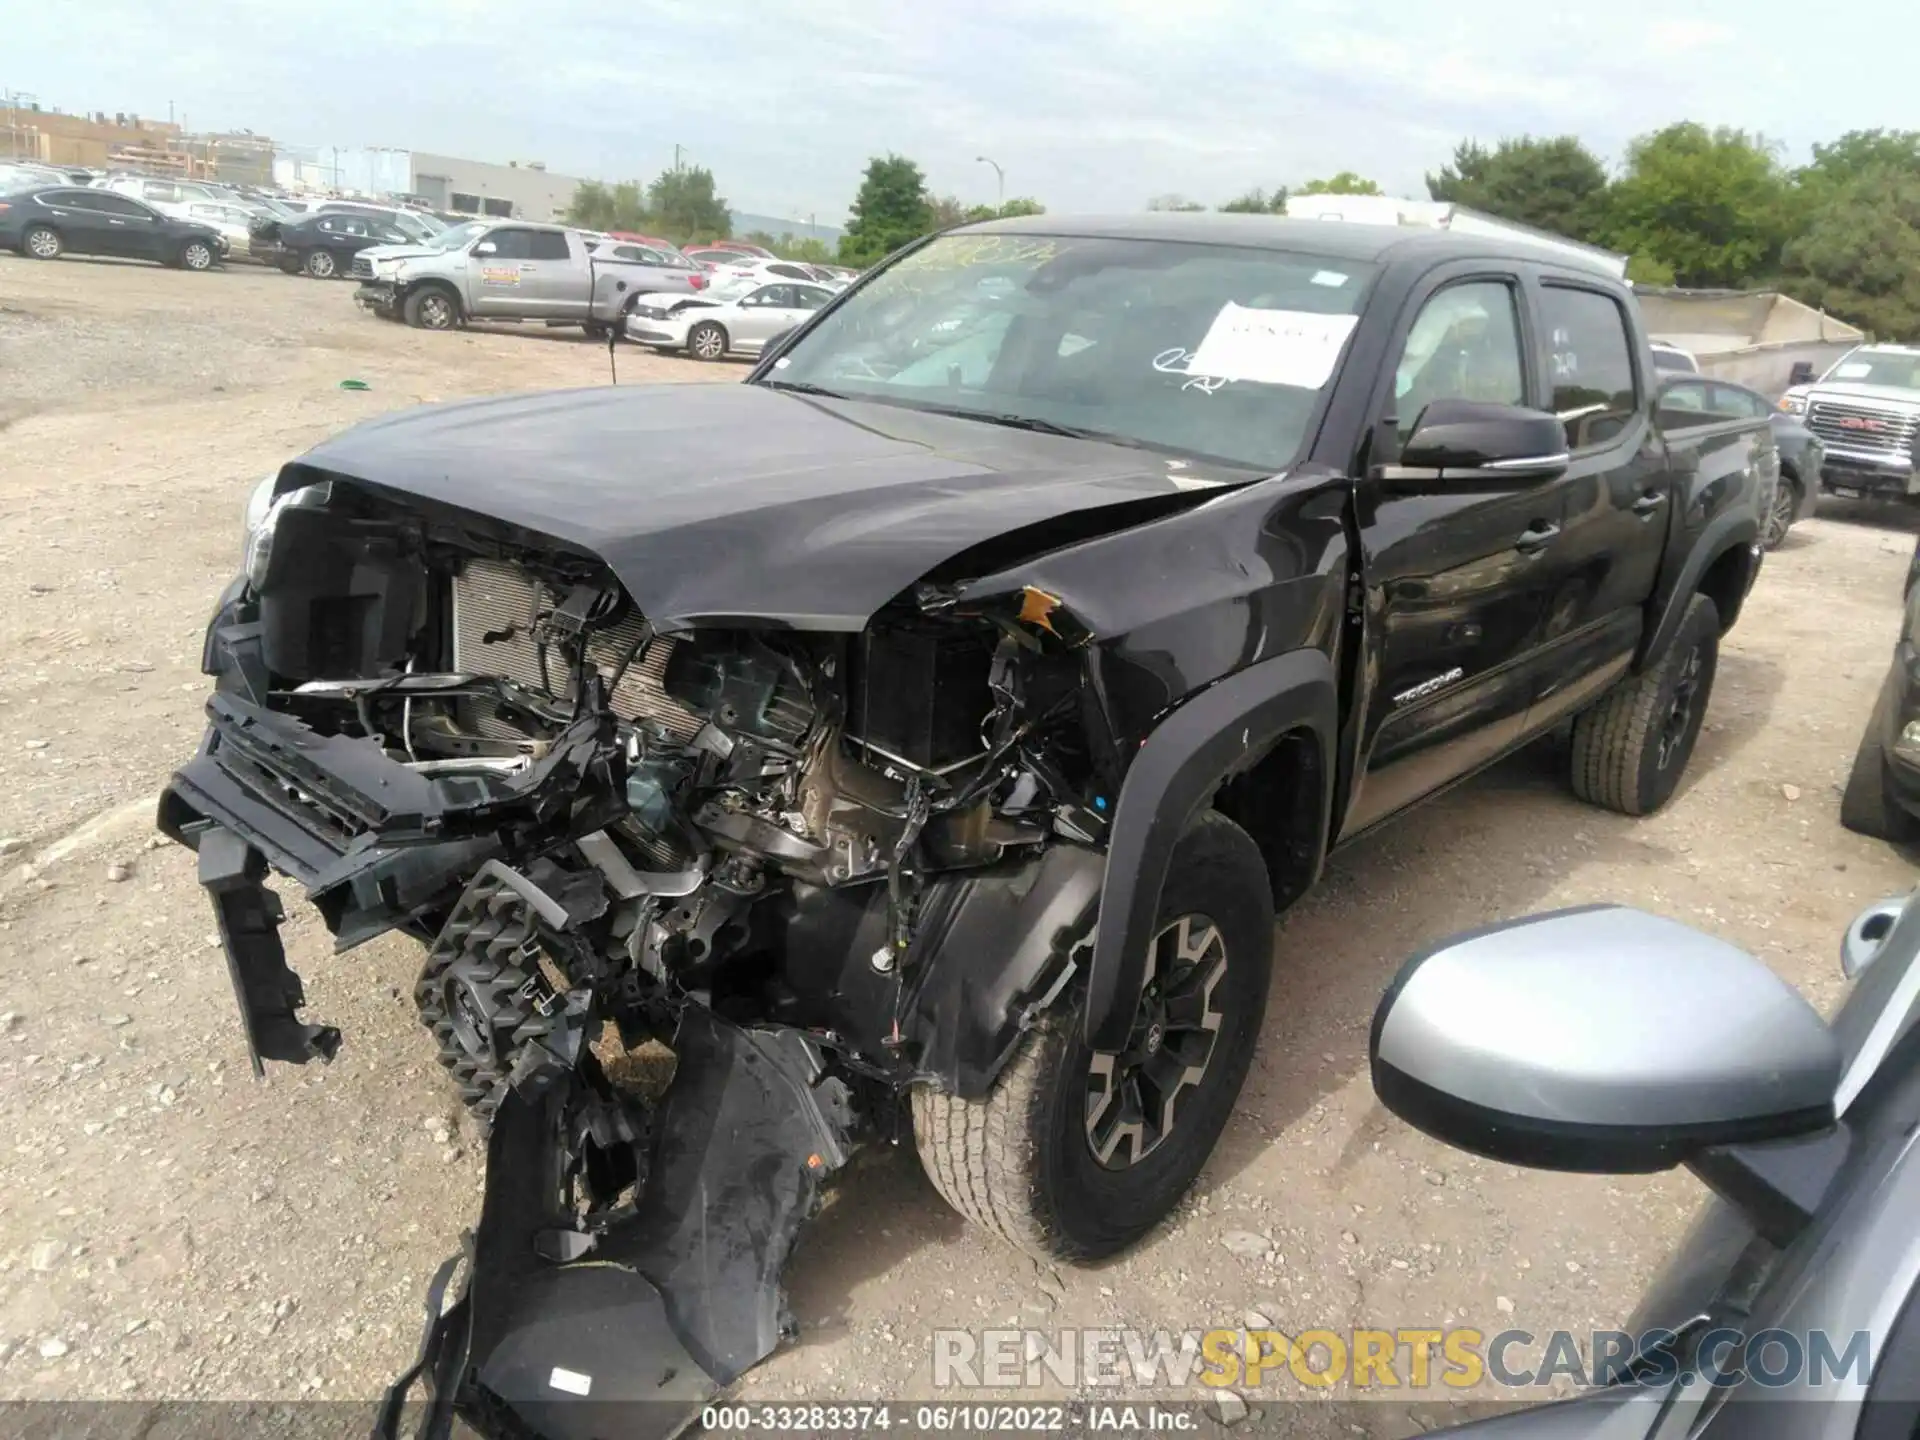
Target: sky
{"points": [[1087, 105]]}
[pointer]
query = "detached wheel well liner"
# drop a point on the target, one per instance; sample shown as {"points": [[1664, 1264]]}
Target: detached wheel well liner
{"points": [[1279, 711]]}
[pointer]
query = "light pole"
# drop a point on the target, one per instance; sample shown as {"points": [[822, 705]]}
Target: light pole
{"points": [[1000, 177], [14, 97]]}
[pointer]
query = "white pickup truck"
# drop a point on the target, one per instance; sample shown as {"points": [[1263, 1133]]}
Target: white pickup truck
{"points": [[1866, 411], [511, 270]]}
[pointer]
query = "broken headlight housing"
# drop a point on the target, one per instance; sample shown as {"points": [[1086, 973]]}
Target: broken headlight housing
{"points": [[259, 546]]}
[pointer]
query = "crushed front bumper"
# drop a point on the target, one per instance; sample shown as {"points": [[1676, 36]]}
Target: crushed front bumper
{"points": [[380, 296], [627, 1261]]}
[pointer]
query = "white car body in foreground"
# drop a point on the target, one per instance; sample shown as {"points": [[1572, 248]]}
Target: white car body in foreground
{"points": [[717, 323]]}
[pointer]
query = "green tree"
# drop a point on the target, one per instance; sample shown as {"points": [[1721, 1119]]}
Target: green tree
{"points": [[1859, 258], [684, 203], [1552, 184], [608, 207], [1345, 183], [1174, 202], [1258, 202], [1840, 163], [1021, 205], [891, 209], [1714, 206]]}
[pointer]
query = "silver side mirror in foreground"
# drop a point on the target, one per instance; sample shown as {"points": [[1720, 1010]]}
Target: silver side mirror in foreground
{"points": [[1600, 1039]]}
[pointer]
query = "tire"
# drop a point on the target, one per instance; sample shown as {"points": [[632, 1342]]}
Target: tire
{"points": [[1631, 748], [1868, 805], [1786, 504], [320, 264], [432, 308], [42, 242], [1022, 1164], [196, 255], [707, 341]]}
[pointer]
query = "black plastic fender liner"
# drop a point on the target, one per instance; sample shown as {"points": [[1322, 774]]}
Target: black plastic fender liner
{"points": [[1221, 730], [999, 948], [657, 1309]]}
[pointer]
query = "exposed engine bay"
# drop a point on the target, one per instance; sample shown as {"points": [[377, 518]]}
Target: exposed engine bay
{"points": [[746, 844]]}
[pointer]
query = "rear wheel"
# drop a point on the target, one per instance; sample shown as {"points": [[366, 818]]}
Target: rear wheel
{"points": [[320, 264], [1868, 806], [1630, 749], [1786, 500], [707, 341], [42, 242], [1076, 1155]]}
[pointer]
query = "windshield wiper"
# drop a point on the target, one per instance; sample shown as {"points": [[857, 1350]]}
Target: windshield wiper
{"points": [[801, 387]]}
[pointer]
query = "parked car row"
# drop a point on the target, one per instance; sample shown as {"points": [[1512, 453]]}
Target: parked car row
{"points": [[46, 222]]}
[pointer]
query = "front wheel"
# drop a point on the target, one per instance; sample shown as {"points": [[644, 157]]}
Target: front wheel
{"points": [[196, 255], [707, 341], [320, 264], [1076, 1155], [1631, 748], [432, 309]]}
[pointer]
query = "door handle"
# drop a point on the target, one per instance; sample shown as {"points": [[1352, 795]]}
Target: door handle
{"points": [[1648, 503], [1535, 537]]}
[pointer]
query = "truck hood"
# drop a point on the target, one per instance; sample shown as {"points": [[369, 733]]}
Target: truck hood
{"points": [[717, 503], [398, 252], [1894, 398]]}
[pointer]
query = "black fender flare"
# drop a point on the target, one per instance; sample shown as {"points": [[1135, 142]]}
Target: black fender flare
{"points": [[1725, 532], [1222, 730]]}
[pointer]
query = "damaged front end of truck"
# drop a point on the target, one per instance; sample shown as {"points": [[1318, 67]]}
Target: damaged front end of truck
{"points": [[817, 866]]}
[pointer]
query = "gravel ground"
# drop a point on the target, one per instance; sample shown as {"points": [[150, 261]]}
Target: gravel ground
{"points": [[170, 1229]]}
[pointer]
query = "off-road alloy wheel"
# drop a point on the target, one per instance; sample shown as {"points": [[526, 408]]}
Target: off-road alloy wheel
{"points": [[319, 264], [1631, 748], [1868, 805], [432, 309], [707, 341], [42, 242], [196, 255], [1786, 498], [1076, 1155]]}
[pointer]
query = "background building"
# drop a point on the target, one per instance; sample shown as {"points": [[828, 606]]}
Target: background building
{"points": [[444, 182]]}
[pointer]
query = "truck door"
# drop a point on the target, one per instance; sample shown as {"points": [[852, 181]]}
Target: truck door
{"points": [[556, 286], [498, 269], [1618, 485], [1456, 593]]}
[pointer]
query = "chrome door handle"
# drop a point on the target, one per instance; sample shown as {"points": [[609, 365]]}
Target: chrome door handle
{"points": [[1648, 503], [1535, 538]]}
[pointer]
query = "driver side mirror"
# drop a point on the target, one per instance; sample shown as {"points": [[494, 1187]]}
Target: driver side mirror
{"points": [[1470, 442], [1602, 1040], [485, 247]]}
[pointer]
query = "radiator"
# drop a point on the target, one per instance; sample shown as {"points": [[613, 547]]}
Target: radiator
{"points": [[492, 598]]}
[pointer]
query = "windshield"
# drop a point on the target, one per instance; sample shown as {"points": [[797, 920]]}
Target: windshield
{"points": [[458, 235], [1897, 368], [1207, 350]]}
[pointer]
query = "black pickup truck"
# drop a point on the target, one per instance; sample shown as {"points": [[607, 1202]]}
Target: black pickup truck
{"points": [[1057, 570]]}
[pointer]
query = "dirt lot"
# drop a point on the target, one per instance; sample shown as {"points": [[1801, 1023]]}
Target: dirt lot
{"points": [[169, 1228]]}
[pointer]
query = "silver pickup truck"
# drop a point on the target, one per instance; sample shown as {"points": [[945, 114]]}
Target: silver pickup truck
{"points": [[513, 270], [1866, 411]]}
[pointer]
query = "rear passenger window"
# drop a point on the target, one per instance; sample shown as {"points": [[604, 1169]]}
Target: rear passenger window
{"points": [[1464, 345], [1590, 364], [546, 245]]}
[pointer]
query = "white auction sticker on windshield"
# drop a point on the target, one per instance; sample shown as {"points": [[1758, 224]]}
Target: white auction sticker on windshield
{"points": [[1271, 347]]}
